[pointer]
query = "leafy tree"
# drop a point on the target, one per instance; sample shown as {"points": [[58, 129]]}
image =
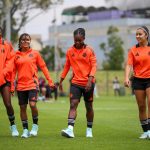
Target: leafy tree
{"points": [[48, 56], [20, 10], [113, 50]]}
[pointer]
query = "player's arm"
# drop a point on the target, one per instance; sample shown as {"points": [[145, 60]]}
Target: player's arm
{"points": [[128, 68], [44, 69], [65, 71], [9, 64], [93, 64], [92, 72], [13, 77]]}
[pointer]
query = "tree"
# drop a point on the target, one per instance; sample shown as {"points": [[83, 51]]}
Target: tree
{"points": [[20, 10], [113, 51], [48, 56]]}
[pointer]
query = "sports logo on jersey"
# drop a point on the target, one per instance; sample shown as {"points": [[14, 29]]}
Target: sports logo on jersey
{"points": [[73, 55], [17, 57], [30, 55], [137, 54], [84, 55]]}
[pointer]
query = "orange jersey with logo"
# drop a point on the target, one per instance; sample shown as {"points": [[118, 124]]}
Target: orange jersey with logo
{"points": [[139, 58], [83, 64], [26, 66], [6, 61]]}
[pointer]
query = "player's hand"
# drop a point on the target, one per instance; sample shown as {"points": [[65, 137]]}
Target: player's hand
{"points": [[127, 83], [88, 86], [53, 87], [12, 93], [60, 87]]}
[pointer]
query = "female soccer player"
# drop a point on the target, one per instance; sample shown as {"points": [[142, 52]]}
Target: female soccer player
{"points": [[26, 65], [139, 61], [6, 68], [82, 59]]}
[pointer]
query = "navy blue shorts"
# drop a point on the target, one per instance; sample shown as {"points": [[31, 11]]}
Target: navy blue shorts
{"points": [[25, 96], [140, 83], [77, 91]]}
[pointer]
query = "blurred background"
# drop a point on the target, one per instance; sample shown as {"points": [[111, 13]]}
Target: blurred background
{"points": [[110, 29]]}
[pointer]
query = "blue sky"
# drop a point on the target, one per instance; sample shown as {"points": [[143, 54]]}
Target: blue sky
{"points": [[40, 23]]}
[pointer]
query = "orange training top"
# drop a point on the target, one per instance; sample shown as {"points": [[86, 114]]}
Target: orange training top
{"points": [[6, 61], [83, 63], [26, 65], [139, 58]]}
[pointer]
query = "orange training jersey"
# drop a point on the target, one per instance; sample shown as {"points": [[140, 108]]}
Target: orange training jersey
{"points": [[139, 58], [83, 64], [25, 65], [6, 61]]}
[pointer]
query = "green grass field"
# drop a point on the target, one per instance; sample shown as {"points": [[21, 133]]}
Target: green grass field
{"points": [[116, 127]]}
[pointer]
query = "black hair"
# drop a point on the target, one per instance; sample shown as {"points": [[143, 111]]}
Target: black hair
{"points": [[80, 31], [20, 38], [146, 30]]}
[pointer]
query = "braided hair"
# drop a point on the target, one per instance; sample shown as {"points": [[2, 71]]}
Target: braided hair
{"points": [[80, 31], [20, 38]]}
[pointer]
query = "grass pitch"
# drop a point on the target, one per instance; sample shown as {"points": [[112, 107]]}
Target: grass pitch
{"points": [[116, 126]]}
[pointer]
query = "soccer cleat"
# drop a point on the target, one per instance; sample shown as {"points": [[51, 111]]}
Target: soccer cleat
{"points": [[67, 133], [34, 130], [25, 134], [14, 130], [144, 135], [148, 134], [89, 133]]}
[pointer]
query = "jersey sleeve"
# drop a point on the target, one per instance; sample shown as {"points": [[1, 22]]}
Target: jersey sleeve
{"points": [[66, 66], [9, 64], [130, 58], [43, 67], [93, 64]]}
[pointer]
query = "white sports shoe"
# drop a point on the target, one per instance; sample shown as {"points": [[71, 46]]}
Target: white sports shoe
{"points": [[148, 134], [89, 133], [144, 135], [14, 130], [34, 130], [67, 133], [25, 134]]}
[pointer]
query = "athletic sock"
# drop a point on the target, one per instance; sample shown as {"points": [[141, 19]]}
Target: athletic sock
{"points": [[25, 124], [149, 124], [89, 124], [144, 125], [11, 119], [71, 121], [35, 119]]}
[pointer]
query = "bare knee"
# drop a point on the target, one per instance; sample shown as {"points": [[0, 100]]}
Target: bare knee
{"points": [[32, 105]]}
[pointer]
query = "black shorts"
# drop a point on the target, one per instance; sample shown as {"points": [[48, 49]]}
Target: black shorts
{"points": [[140, 83], [77, 91], [25, 96], [4, 85]]}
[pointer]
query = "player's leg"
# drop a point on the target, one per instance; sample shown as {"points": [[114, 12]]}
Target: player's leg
{"points": [[75, 94], [141, 101], [5, 91], [88, 99], [34, 110], [23, 101], [148, 103]]}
